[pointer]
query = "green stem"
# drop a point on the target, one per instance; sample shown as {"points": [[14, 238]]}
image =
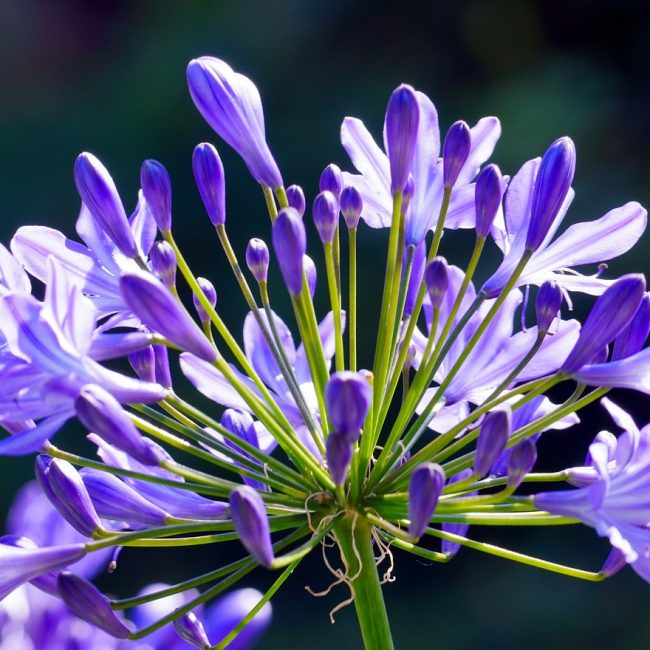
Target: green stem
{"points": [[355, 541], [352, 233]]}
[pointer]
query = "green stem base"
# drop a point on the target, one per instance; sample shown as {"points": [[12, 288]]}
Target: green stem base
{"points": [[354, 537]]}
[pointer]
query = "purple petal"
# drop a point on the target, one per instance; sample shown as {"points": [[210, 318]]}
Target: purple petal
{"points": [[33, 440]]}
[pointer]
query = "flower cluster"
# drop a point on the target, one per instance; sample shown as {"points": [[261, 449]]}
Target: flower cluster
{"points": [[433, 434]]}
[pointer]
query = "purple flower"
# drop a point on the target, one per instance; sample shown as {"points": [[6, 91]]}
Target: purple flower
{"points": [[492, 439], [415, 279], [257, 259], [437, 278], [351, 206], [19, 565], [210, 179], [554, 259], [374, 183], [331, 180], [547, 304], [190, 628], [290, 244], [633, 337], [296, 199], [98, 192], [610, 503], [338, 453], [348, 396], [455, 151], [326, 215], [157, 190], [425, 487], [608, 317], [159, 310], [63, 486], [164, 263], [489, 190], [552, 185], [522, 459], [230, 103], [89, 604], [251, 523], [401, 129], [210, 293]]}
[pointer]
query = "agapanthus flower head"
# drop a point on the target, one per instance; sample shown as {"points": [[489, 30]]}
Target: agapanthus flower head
{"points": [[296, 199], [211, 182], [157, 189], [455, 151], [551, 187], [257, 259], [230, 103], [459, 386], [290, 244], [401, 127], [99, 194]]}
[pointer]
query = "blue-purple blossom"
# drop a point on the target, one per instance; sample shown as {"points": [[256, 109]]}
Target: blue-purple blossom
{"points": [[251, 523], [290, 244], [157, 190], [425, 487], [338, 453], [436, 277], [257, 259], [326, 215], [190, 628], [547, 304], [230, 103], [455, 151], [296, 199], [210, 180], [331, 180], [351, 206], [348, 397], [489, 190], [492, 439], [164, 263], [99, 194], [211, 295]]}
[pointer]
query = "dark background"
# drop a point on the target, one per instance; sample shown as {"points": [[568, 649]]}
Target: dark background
{"points": [[108, 77]]}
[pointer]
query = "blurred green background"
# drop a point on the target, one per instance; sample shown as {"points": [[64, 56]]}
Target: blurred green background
{"points": [[108, 77]]}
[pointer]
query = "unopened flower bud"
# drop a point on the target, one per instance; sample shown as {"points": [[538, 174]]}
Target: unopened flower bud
{"points": [[547, 304], [338, 452], [401, 129], [157, 189], [211, 181], [633, 337], [614, 562], [190, 629], [326, 216], [310, 273], [436, 277], [522, 460], [257, 259], [163, 263], [62, 485], [161, 365], [100, 196], [161, 312], [114, 499], [290, 244], [210, 293], [143, 363], [102, 414], [455, 151], [348, 396], [492, 439], [552, 185], [20, 564], [351, 206], [487, 198], [611, 313], [251, 523], [425, 487], [296, 199], [89, 604], [331, 180]]}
